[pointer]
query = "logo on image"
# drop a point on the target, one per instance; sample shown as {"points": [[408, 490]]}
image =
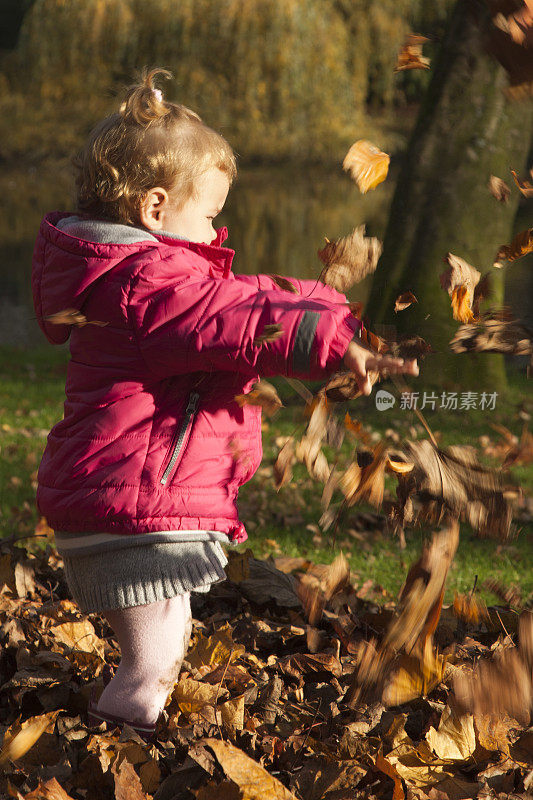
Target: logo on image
{"points": [[384, 400]]}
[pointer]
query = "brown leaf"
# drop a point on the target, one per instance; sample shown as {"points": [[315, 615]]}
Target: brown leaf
{"points": [[404, 300], [283, 464], [304, 663], [410, 56], [492, 333], [499, 189], [390, 771], [271, 333], [261, 394], [49, 790], [525, 187], [503, 685], [349, 260], [521, 245], [252, 779], [127, 783], [72, 316], [285, 283], [367, 165]]}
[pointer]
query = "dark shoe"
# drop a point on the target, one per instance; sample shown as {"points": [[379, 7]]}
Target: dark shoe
{"points": [[146, 732]]}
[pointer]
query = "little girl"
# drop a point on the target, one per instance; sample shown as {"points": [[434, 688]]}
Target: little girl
{"points": [[139, 480]]}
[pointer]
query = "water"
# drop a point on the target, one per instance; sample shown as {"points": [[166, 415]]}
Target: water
{"points": [[277, 219]]}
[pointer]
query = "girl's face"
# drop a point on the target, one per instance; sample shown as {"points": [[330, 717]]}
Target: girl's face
{"points": [[194, 220]]}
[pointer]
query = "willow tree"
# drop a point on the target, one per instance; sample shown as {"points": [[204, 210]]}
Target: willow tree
{"points": [[466, 131]]}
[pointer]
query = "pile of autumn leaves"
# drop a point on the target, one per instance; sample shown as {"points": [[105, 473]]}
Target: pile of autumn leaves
{"points": [[294, 686]]}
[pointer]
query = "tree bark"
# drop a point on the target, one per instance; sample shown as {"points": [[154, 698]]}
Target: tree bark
{"points": [[466, 131]]}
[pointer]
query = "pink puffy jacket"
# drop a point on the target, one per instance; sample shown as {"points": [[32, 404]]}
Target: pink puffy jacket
{"points": [[152, 438]]}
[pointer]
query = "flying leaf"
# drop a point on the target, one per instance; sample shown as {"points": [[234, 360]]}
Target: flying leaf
{"points": [[404, 300], [525, 187], [411, 677], [271, 333], [493, 333], [521, 245], [285, 283], [349, 260], [461, 304], [410, 56], [469, 609], [499, 189], [283, 464], [462, 282], [367, 165], [72, 316], [262, 394]]}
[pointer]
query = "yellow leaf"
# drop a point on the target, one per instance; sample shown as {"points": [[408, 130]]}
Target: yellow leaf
{"points": [[215, 650], [455, 739], [233, 713], [21, 737], [79, 636], [367, 164], [252, 779], [192, 695]]}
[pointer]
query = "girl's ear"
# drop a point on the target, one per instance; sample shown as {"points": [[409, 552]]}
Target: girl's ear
{"points": [[152, 208]]}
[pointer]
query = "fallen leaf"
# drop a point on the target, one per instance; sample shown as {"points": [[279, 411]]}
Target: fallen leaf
{"points": [[20, 737], [216, 649], [350, 259], [367, 165], [192, 695], [49, 790], [252, 779], [127, 783], [454, 739]]}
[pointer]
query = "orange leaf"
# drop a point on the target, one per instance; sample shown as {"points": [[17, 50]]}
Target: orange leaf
{"points": [[461, 304], [525, 186], [521, 245], [410, 56]]}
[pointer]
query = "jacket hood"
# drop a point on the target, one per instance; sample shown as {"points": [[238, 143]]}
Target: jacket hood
{"points": [[66, 268]]}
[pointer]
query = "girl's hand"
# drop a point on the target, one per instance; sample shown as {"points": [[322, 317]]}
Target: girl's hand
{"points": [[360, 360]]}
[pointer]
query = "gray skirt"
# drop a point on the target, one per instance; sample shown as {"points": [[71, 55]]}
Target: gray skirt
{"points": [[147, 573]]}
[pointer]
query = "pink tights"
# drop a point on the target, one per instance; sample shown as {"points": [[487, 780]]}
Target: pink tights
{"points": [[153, 640]]}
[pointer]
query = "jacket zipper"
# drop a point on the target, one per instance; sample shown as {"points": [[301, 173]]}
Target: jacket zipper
{"points": [[181, 434]]}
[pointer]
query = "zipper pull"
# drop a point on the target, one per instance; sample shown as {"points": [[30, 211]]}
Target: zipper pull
{"points": [[193, 403]]}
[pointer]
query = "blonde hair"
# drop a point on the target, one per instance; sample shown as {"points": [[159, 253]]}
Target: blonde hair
{"points": [[149, 142]]}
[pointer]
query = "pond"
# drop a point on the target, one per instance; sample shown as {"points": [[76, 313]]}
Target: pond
{"points": [[277, 219]]}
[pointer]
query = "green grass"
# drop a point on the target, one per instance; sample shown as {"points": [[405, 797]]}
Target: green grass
{"points": [[285, 522]]}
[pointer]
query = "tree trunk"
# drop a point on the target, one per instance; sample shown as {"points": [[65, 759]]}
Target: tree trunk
{"points": [[465, 132]]}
